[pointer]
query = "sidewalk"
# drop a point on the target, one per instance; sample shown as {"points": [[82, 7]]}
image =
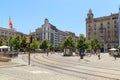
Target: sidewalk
{"points": [[105, 57], [17, 61], [106, 61]]}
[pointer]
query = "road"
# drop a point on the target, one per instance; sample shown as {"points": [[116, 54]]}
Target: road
{"points": [[57, 67]]}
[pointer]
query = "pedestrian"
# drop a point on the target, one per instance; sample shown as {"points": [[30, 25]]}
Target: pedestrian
{"points": [[115, 55], [99, 56], [109, 53], [47, 52]]}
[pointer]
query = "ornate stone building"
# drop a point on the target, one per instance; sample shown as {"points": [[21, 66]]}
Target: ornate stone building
{"points": [[47, 31], [51, 33], [103, 28]]}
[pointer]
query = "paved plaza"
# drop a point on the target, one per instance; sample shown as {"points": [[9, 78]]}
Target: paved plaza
{"points": [[62, 68]]}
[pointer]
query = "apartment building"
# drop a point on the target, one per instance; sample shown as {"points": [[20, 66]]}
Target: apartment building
{"points": [[6, 33], [105, 29], [51, 33]]}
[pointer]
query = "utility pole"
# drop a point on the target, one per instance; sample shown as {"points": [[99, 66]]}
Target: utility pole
{"points": [[29, 54], [28, 45]]}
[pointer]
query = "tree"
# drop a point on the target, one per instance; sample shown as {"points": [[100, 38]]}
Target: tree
{"points": [[88, 45], [11, 39], [60, 47], [44, 45], [17, 42], [35, 44], [81, 42], [51, 47], [69, 43], [95, 44], [23, 44], [81, 45], [2, 42]]}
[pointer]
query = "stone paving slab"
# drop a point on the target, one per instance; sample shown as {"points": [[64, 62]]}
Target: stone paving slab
{"points": [[33, 73], [106, 61], [9, 64], [17, 61], [6, 77]]}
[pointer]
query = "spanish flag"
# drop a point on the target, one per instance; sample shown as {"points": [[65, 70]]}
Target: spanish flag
{"points": [[10, 24]]}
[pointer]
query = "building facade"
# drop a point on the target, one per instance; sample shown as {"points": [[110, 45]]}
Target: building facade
{"points": [[6, 33], [119, 27], [51, 33], [47, 31], [105, 29]]}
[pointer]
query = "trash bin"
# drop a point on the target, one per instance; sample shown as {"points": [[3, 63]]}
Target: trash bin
{"points": [[81, 53]]}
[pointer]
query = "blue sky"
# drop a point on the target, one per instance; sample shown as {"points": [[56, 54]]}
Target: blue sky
{"points": [[66, 15]]}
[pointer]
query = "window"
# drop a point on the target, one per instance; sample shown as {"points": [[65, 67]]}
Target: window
{"points": [[95, 25], [89, 21], [94, 28], [2, 32], [88, 33], [101, 24], [108, 39], [48, 35], [108, 31], [115, 18], [108, 36], [94, 33], [89, 29], [44, 35], [115, 22], [108, 23], [89, 25], [102, 40], [101, 30], [108, 46], [48, 28], [44, 28], [115, 26]]}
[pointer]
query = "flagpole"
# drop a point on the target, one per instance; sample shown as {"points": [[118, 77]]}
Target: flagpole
{"points": [[9, 34], [10, 30]]}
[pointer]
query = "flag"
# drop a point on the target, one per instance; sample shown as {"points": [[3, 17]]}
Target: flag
{"points": [[10, 24]]}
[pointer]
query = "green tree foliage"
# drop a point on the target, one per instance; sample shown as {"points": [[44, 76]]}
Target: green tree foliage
{"points": [[69, 43], [23, 43], [51, 47], [2, 42], [35, 44], [81, 42], [60, 47], [95, 44], [16, 42], [44, 45], [88, 45], [11, 39]]}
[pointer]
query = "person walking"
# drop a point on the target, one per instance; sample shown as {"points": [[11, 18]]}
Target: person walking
{"points": [[115, 55], [99, 56], [47, 52]]}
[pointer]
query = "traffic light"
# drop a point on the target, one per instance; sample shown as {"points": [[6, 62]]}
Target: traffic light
{"points": [[27, 39]]}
